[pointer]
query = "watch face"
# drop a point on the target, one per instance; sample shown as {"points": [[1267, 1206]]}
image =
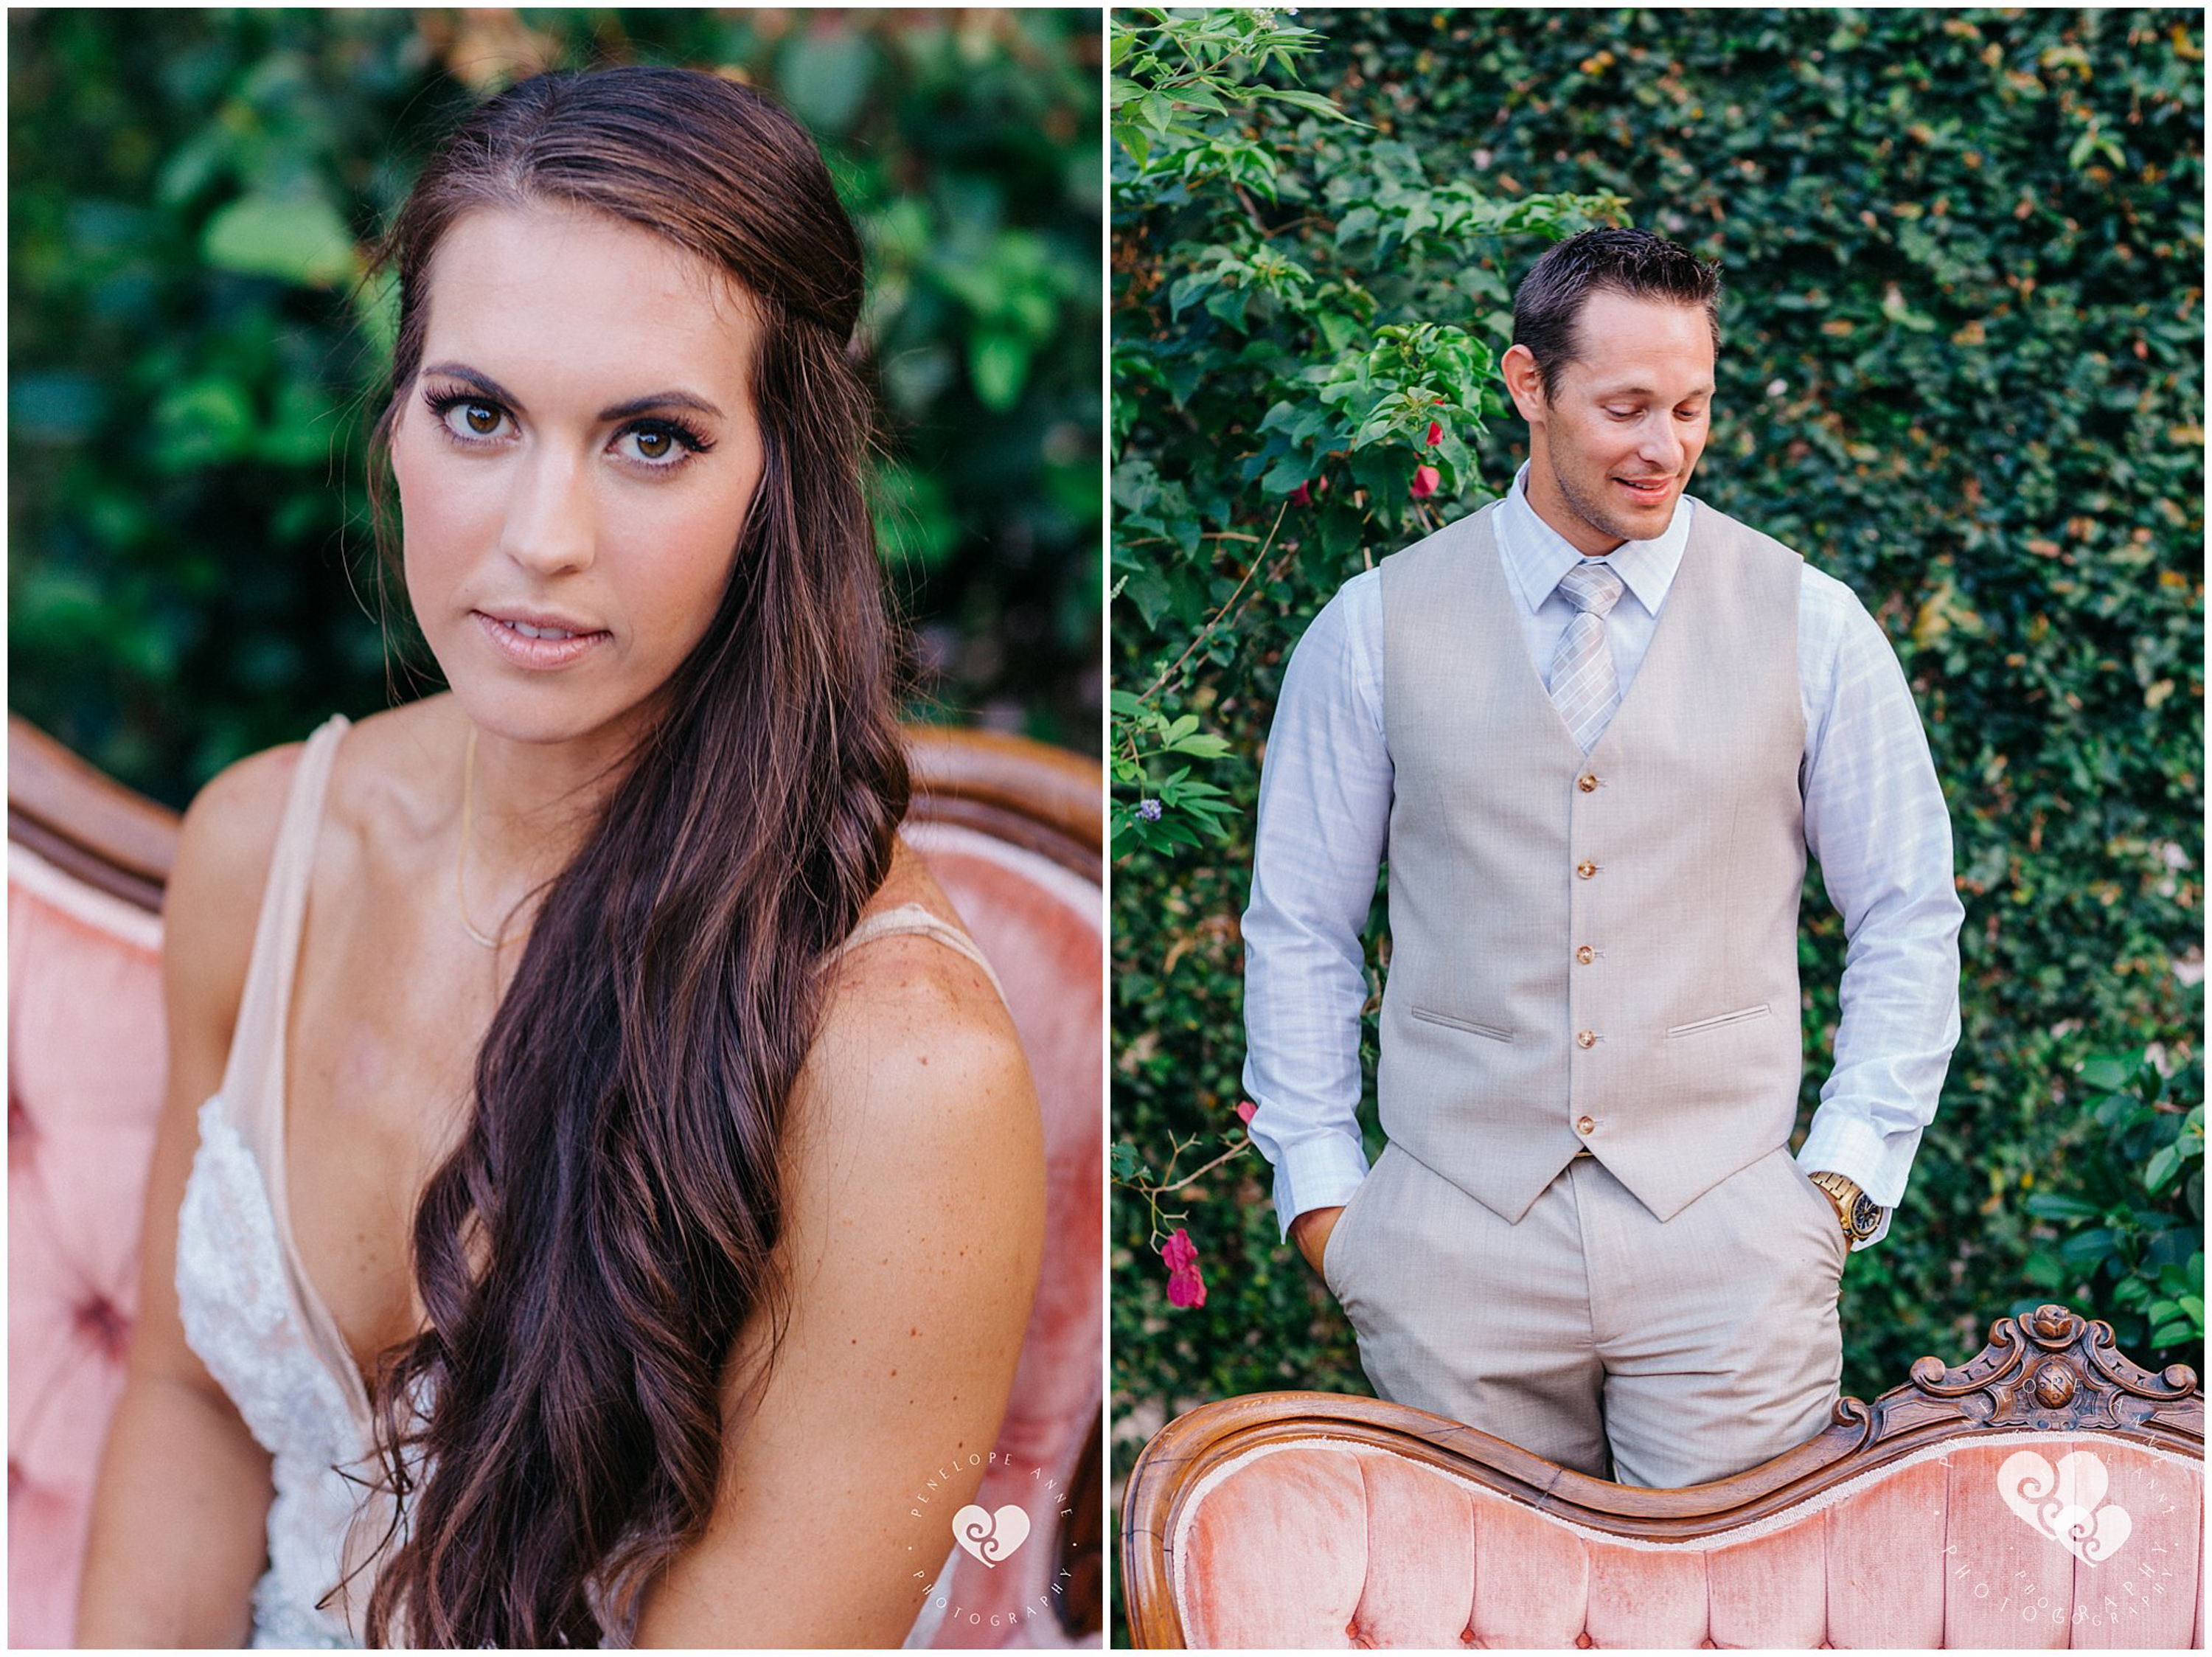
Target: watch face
{"points": [[1866, 1214]]}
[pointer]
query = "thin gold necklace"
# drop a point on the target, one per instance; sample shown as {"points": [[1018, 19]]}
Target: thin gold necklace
{"points": [[461, 860]]}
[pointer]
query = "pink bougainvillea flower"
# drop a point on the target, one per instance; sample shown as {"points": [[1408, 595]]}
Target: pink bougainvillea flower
{"points": [[1436, 433], [1185, 1287], [1425, 479], [1246, 1112], [1302, 496]]}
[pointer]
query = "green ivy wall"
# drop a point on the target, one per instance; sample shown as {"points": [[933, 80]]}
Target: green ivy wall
{"points": [[1962, 372]]}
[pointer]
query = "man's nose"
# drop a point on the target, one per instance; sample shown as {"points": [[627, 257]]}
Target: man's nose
{"points": [[1662, 448], [551, 525]]}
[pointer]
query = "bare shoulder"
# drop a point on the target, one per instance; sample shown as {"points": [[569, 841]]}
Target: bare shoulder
{"points": [[913, 1029], [223, 854], [915, 1194]]}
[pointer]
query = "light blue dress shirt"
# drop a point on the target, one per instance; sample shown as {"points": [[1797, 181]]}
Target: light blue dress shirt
{"points": [[1873, 816]]}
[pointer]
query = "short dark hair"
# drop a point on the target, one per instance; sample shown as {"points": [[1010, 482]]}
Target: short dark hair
{"points": [[1632, 262]]}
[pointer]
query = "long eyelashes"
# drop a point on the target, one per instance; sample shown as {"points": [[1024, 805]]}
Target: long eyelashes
{"points": [[683, 440]]}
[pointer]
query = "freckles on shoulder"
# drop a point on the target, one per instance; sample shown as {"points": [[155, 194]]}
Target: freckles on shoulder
{"points": [[916, 1114]]}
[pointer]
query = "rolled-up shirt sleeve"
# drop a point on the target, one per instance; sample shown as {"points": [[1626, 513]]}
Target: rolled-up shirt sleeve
{"points": [[1875, 818], [1325, 791]]}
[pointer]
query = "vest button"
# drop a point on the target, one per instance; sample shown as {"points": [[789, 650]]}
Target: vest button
{"points": [[1586, 782], [1586, 1039], [1585, 955], [1585, 1125], [1586, 868]]}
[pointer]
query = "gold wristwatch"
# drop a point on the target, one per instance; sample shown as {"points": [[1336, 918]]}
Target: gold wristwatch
{"points": [[1861, 1214]]}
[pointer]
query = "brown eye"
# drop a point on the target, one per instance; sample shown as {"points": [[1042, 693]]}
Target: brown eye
{"points": [[482, 421], [653, 445]]}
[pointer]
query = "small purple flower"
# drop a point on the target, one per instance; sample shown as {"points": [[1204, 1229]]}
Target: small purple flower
{"points": [[1149, 810]]}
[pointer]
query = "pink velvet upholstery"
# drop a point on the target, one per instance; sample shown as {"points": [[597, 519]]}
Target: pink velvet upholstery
{"points": [[1040, 927], [87, 1061], [1327, 1543], [86, 1054]]}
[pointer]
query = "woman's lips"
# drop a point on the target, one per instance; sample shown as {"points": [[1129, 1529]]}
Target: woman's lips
{"points": [[524, 651]]}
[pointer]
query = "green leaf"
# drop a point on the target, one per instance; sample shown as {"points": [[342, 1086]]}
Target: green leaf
{"points": [[2050, 1205], [1205, 745], [1307, 101], [825, 75], [201, 423], [297, 239], [998, 364], [2108, 1074]]}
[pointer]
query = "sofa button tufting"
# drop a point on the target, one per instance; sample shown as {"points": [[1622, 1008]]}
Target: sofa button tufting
{"points": [[101, 1321]]}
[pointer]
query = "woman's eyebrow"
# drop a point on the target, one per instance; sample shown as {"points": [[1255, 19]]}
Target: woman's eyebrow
{"points": [[660, 400]]}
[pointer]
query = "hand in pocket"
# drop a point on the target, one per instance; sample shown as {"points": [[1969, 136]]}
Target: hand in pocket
{"points": [[1311, 1232]]}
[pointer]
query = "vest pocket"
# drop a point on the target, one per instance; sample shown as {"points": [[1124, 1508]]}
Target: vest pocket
{"points": [[1490, 1030], [1715, 1023]]}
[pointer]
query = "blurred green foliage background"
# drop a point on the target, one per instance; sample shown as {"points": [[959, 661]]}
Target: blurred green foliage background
{"points": [[1961, 370], [190, 573]]}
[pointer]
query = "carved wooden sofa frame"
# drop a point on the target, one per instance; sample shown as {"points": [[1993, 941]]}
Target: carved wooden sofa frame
{"points": [[1012, 827], [1576, 1561]]}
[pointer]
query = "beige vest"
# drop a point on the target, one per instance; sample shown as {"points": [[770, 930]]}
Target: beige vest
{"points": [[1598, 950]]}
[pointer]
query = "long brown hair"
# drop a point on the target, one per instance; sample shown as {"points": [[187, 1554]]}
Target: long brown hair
{"points": [[588, 1255]]}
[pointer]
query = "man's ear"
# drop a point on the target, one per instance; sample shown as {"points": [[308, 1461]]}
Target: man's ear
{"points": [[1524, 382]]}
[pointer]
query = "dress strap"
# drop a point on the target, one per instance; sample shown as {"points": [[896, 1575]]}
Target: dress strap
{"points": [[912, 920], [253, 1077]]}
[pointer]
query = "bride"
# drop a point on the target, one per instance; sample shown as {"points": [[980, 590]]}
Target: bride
{"points": [[599, 1178]]}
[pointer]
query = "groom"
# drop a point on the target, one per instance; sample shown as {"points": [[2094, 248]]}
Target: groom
{"points": [[1595, 728]]}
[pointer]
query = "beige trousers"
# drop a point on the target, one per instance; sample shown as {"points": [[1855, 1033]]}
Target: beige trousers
{"points": [[1691, 1349]]}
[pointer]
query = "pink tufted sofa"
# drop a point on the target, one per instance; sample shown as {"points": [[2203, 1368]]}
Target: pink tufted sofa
{"points": [[1009, 828], [2048, 1495]]}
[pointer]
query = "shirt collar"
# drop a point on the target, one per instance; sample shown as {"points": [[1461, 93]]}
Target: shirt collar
{"points": [[1538, 555]]}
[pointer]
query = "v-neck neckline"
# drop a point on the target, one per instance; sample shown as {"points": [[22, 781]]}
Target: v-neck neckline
{"points": [[323, 1330], [1493, 569]]}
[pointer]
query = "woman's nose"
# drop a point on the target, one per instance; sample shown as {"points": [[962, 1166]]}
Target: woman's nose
{"points": [[550, 526]]}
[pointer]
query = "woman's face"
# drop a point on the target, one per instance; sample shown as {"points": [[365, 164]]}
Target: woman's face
{"points": [[574, 459]]}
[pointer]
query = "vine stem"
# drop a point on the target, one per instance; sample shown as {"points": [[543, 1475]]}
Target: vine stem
{"points": [[1204, 632], [1236, 1150]]}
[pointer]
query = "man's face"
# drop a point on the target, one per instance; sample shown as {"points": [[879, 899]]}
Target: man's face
{"points": [[1612, 447]]}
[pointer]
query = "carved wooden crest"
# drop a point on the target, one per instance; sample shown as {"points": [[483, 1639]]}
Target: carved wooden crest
{"points": [[2059, 1371]]}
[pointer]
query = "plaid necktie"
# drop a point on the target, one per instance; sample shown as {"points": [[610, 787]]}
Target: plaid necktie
{"points": [[1583, 684]]}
